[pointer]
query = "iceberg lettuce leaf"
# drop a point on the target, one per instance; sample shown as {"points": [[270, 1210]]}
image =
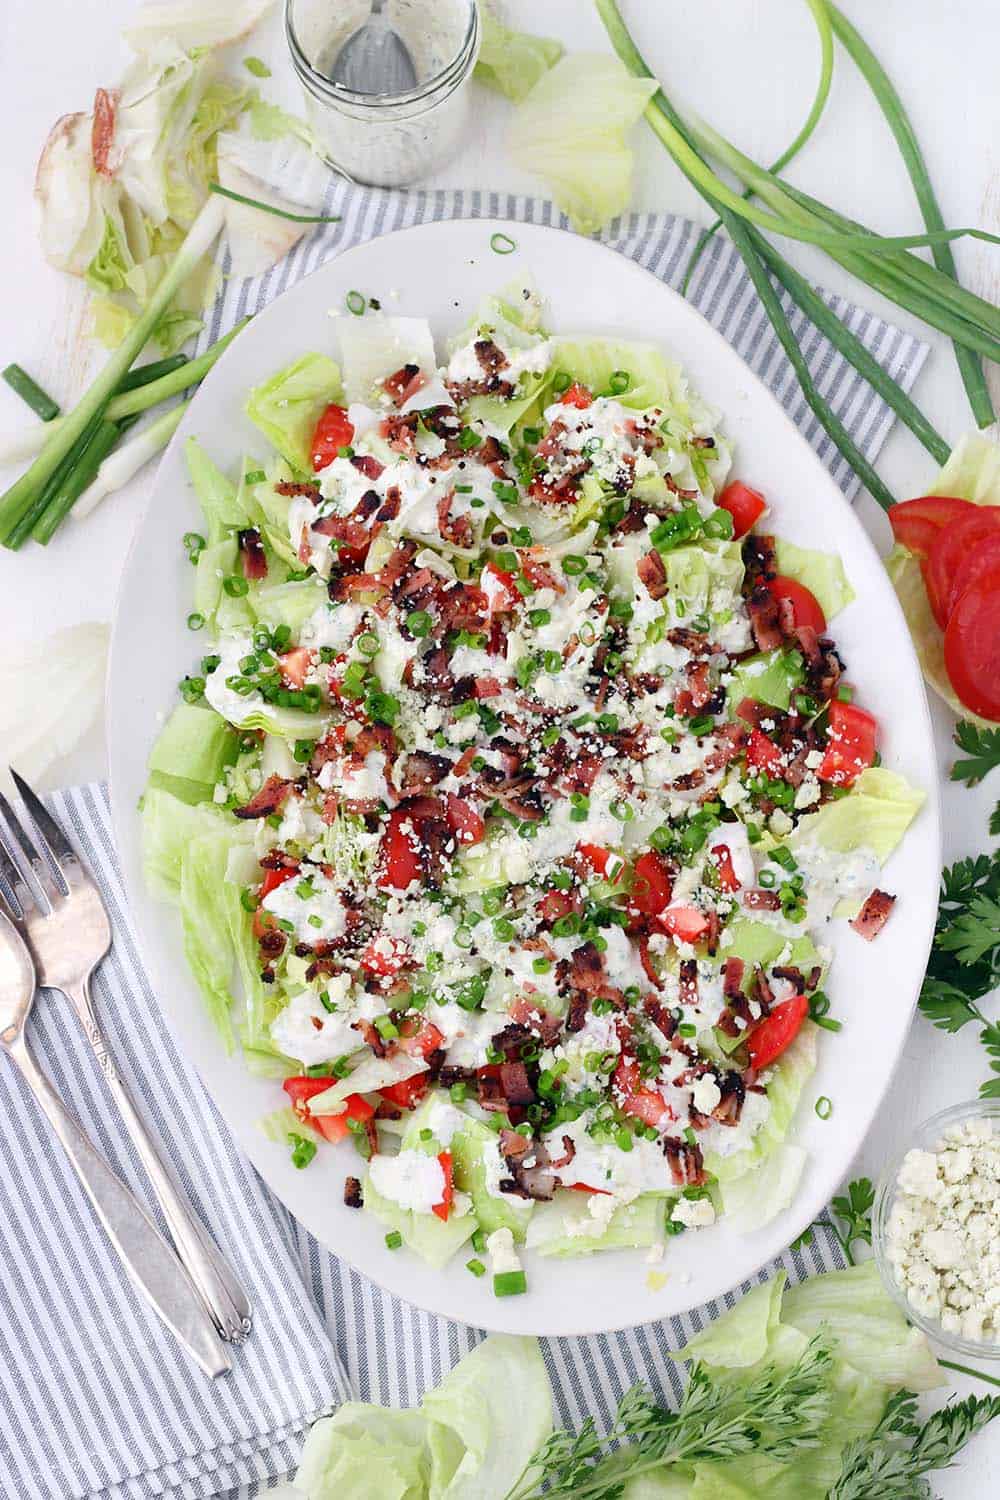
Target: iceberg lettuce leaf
{"points": [[434, 1240], [216, 494], [769, 677], [880, 808], [366, 1452], [822, 573], [513, 61], [635, 1225], [195, 745], [169, 826], [375, 346], [287, 407]]}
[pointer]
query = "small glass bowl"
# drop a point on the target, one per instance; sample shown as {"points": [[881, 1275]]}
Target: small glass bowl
{"points": [[927, 1137]]}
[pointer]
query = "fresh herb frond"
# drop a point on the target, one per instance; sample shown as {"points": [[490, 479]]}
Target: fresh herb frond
{"points": [[975, 933], [982, 746], [995, 822], [946, 1006], [892, 1463]]}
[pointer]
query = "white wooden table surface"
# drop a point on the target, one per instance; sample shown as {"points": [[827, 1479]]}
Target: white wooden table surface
{"points": [[750, 65]]}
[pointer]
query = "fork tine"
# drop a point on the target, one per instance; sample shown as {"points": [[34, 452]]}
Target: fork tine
{"points": [[22, 842], [54, 842], [16, 882]]}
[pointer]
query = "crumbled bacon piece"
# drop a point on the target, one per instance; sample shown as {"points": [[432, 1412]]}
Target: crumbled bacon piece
{"points": [[352, 1193], [653, 574], [270, 799], [873, 915]]}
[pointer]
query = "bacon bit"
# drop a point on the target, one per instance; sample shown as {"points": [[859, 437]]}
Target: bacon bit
{"points": [[514, 1145], [808, 643], [457, 530], [730, 1106], [352, 1193], [102, 131], [252, 553], [732, 978], [270, 799], [368, 465], [645, 958], [579, 1009], [396, 386], [711, 937], [686, 1163], [758, 900], [653, 574], [423, 769], [569, 1148], [675, 489], [371, 1134], [688, 985], [515, 1083], [761, 989], [663, 1019], [730, 740], [765, 619], [291, 488], [699, 686], [690, 640], [759, 557], [688, 781], [793, 976], [873, 915]]}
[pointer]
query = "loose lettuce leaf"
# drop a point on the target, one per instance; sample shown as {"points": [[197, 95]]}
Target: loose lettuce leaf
{"points": [[366, 1452], [972, 473], [169, 826], [467, 1148], [287, 407], [487, 1418], [879, 810], [194, 747], [213, 920], [513, 61], [821, 572], [742, 1336], [769, 677], [654, 380], [571, 130], [760, 943], [210, 23]]}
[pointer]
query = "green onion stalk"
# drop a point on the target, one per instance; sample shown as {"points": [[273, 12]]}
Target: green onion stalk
{"points": [[24, 494]]}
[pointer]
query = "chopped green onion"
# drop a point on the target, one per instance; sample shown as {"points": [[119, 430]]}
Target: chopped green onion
{"points": [[31, 393], [195, 621], [235, 586], [393, 1240], [824, 1106], [476, 1267], [303, 1150], [257, 66], [619, 382], [509, 1284], [502, 244]]}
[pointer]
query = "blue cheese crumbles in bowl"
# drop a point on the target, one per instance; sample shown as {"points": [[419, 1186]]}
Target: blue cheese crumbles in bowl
{"points": [[519, 791], [937, 1228]]}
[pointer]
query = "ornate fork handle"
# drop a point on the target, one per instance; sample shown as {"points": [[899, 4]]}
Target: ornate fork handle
{"points": [[224, 1297]]}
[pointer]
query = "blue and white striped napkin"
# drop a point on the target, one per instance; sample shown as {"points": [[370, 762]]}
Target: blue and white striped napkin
{"points": [[95, 1401]]}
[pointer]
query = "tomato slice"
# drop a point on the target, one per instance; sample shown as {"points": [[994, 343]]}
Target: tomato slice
{"points": [[333, 431], [596, 857], [972, 647], [463, 820], [850, 748], [401, 862], [576, 395], [274, 878], [744, 505], [723, 861], [981, 562], [334, 1127], [443, 1209], [764, 755], [949, 550], [915, 523], [553, 905], [685, 923], [806, 608], [408, 1093], [653, 884], [294, 666], [421, 1042], [777, 1031]]}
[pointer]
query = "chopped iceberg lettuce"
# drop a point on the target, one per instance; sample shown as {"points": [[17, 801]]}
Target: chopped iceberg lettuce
{"points": [[769, 677], [191, 752], [822, 573], [434, 1240], [566, 1226], [375, 346], [287, 407], [880, 808]]}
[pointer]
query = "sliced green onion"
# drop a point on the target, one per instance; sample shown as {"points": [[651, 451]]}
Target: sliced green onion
{"points": [[257, 66], [270, 208], [393, 1240], [619, 382], [509, 1284], [31, 393], [824, 1106], [356, 303], [502, 244], [476, 1267], [195, 621]]}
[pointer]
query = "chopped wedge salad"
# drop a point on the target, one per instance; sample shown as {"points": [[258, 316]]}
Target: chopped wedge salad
{"points": [[516, 791]]}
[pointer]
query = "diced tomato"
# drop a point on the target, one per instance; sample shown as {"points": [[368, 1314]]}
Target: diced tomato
{"points": [[443, 1209], [915, 523], [400, 854], [274, 878], [806, 608], [685, 923], [777, 1031], [744, 505], [555, 904], [764, 755], [385, 956], [486, 687], [294, 666], [596, 857], [408, 1093], [972, 647], [424, 1039], [644, 1103], [723, 861], [463, 820], [539, 573], [334, 1127], [500, 589], [653, 884], [576, 395], [584, 1187], [981, 562], [949, 550], [333, 431], [850, 748]]}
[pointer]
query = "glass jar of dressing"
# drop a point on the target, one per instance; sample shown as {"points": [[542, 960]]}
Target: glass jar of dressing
{"points": [[387, 140]]}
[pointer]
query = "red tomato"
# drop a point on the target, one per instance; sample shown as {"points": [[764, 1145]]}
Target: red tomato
{"points": [[334, 1127], [806, 608], [385, 955], [653, 884], [972, 647], [294, 666], [596, 857], [981, 562], [723, 861], [274, 878], [501, 590], [443, 1209], [915, 523], [685, 923], [584, 1187], [949, 550], [553, 905], [764, 755], [644, 1103], [576, 395], [400, 855], [850, 748], [333, 431], [744, 505], [777, 1031], [463, 820], [423, 1040], [408, 1093]]}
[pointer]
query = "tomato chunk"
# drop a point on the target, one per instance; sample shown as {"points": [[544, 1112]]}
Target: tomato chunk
{"points": [[764, 755], [850, 748], [294, 666], [685, 923], [274, 878], [653, 884], [333, 431], [950, 548], [576, 395], [406, 1094], [400, 854], [806, 608], [777, 1031], [500, 589], [385, 955], [744, 505], [644, 1103], [463, 820], [723, 861], [915, 523], [972, 647], [334, 1127], [424, 1039], [443, 1209]]}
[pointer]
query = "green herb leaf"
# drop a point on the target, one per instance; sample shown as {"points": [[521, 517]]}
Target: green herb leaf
{"points": [[983, 749]]}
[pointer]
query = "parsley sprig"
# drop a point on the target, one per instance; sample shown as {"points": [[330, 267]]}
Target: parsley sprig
{"points": [[892, 1463], [982, 746], [781, 1411], [849, 1220], [965, 956]]}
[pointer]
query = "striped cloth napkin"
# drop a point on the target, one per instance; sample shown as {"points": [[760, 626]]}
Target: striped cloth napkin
{"points": [[96, 1400]]}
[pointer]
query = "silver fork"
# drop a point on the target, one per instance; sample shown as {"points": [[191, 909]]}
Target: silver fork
{"points": [[64, 922], [145, 1254]]}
